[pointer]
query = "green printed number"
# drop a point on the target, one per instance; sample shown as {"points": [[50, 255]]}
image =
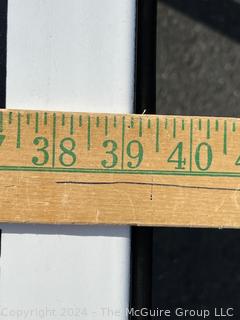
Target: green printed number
{"points": [[237, 163], [135, 154], [177, 157], [206, 148], [43, 149], [2, 137], [67, 157], [113, 147]]}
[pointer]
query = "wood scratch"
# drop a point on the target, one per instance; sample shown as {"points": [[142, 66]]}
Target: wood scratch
{"points": [[97, 216]]}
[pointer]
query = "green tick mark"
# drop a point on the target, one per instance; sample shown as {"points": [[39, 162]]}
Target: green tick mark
{"points": [[123, 142], [97, 122], [63, 119], [191, 144], [2, 137], [208, 129], [166, 123], [106, 126], [115, 122], [183, 124], [149, 123], [45, 118], [132, 123], [10, 118], [80, 121], [71, 124], [1, 121], [28, 118], [225, 137], [89, 133], [157, 135], [19, 130], [216, 125], [54, 139], [140, 127], [200, 124], [174, 127], [36, 122]]}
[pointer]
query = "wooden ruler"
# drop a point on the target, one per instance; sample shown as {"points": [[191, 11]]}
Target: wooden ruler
{"points": [[84, 168]]}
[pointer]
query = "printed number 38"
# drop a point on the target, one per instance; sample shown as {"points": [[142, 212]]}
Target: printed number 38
{"points": [[67, 157]]}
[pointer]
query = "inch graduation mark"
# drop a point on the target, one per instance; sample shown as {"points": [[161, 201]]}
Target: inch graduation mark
{"points": [[123, 142], [225, 138], [208, 129], [89, 133], [54, 139], [18, 130], [36, 122], [174, 127], [157, 134], [71, 124]]}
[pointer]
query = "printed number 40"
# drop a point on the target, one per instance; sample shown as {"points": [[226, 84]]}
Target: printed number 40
{"points": [[203, 156], [237, 163]]}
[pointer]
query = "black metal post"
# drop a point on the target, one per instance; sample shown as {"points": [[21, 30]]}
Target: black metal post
{"points": [[3, 51], [145, 102], [3, 63]]}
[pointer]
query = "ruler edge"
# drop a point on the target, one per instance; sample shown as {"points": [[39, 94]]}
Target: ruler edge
{"points": [[130, 115]]}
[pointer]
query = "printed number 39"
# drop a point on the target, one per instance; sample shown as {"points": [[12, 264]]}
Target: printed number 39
{"points": [[134, 151]]}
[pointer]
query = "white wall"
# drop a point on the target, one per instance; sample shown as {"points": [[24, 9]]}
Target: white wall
{"points": [[75, 55], [71, 54]]}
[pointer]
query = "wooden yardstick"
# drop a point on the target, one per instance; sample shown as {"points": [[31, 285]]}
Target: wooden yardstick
{"points": [[119, 169]]}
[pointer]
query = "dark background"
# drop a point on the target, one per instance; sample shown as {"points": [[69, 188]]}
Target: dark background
{"points": [[198, 73]]}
